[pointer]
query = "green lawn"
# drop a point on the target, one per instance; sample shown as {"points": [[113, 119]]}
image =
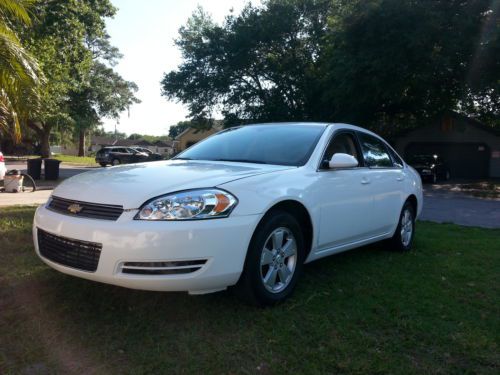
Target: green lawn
{"points": [[80, 160], [368, 311]]}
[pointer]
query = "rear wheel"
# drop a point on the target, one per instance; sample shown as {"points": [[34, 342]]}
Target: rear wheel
{"points": [[403, 237], [115, 162], [29, 185], [274, 260], [103, 164]]}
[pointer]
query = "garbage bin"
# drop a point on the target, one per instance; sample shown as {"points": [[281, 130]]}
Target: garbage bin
{"points": [[51, 169], [35, 168]]}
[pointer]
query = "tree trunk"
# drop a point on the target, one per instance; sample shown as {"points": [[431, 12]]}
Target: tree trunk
{"points": [[81, 143], [45, 144], [43, 132]]}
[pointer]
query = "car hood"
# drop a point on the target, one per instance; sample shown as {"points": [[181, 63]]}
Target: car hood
{"points": [[131, 185]]}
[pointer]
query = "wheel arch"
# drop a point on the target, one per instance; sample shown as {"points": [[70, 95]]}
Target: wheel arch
{"points": [[301, 213]]}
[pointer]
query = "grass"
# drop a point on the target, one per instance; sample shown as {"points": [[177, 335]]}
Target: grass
{"points": [[88, 161], [369, 311], [78, 160]]}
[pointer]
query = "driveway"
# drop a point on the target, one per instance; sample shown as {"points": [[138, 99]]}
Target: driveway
{"points": [[451, 207], [45, 187]]}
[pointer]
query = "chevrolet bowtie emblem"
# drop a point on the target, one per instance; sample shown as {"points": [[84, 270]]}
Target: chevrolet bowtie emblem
{"points": [[75, 208]]}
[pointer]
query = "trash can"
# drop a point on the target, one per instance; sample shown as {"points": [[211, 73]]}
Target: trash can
{"points": [[35, 168], [51, 169]]}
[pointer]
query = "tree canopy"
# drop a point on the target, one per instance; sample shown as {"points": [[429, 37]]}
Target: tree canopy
{"points": [[371, 62]]}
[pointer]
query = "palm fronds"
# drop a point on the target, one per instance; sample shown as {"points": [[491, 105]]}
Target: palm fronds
{"points": [[19, 71]]}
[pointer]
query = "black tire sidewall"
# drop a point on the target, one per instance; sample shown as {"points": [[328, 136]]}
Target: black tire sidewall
{"points": [[251, 277]]}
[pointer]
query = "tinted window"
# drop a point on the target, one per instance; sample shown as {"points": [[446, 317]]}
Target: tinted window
{"points": [[268, 144], [342, 143], [374, 152]]}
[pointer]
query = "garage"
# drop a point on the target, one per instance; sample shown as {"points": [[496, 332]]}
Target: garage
{"points": [[464, 160], [470, 148]]}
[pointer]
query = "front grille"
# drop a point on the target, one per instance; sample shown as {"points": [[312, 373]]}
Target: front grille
{"points": [[82, 255], [163, 268], [85, 209]]}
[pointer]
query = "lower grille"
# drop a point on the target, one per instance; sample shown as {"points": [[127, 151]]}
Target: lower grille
{"points": [[163, 268], [77, 254]]}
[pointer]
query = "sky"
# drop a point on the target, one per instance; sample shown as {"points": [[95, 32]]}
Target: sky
{"points": [[144, 31]]}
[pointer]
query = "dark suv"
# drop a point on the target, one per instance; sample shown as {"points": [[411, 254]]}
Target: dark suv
{"points": [[152, 156], [120, 155]]}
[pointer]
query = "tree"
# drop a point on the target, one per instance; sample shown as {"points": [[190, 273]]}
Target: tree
{"points": [[19, 71], [379, 63], [69, 38], [177, 129]]}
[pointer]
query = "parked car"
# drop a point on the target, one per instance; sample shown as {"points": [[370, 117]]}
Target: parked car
{"points": [[431, 168], [246, 207], [152, 156], [3, 168], [119, 155]]}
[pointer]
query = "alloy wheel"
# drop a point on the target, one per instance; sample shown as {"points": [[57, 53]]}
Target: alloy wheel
{"points": [[278, 260], [406, 227]]}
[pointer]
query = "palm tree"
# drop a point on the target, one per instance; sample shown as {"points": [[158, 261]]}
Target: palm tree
{"points": [[19, 71]]}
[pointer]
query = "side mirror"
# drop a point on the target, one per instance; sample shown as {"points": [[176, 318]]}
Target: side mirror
{"points": [[341, 160]]}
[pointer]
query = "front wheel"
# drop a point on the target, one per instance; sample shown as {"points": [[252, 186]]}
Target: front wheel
{"points": [[403, 237], [115, 162], [274, 260]]}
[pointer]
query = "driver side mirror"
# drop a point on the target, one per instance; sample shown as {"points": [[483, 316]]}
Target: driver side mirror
{"points": [[340, 160]]}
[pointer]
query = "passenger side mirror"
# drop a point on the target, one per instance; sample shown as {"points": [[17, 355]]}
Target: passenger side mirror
{"points": [[340, 160]]}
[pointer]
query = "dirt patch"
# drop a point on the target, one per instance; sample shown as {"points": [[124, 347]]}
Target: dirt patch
{"points": [[489, 189], [25, 302]]}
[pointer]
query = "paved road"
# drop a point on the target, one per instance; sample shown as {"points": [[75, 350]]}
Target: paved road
{"points": [[458, 208]]}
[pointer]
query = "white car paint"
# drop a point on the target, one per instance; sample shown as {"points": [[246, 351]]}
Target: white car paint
{"points": [[3, 168], [348, 208]]}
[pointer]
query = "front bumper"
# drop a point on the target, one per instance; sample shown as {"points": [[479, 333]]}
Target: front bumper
{"points": [[222, 242]]}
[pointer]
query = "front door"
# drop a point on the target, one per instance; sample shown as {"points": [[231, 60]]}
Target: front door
{"points": [[344, 197]]}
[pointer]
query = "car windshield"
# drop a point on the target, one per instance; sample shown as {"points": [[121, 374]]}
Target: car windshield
{"points": [[284, 144]]}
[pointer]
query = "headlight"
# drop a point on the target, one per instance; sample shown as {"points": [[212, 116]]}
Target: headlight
{"points": [[186, 205]]}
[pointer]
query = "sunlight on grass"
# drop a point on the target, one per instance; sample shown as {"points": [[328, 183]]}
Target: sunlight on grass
{"points": [[433, 310]]}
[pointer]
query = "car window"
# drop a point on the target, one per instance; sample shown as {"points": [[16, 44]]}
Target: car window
{"points": [[374, 152], [398, 162], [342, 143]]}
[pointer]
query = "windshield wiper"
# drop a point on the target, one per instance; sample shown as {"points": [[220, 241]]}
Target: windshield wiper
{"points": [[241, 161], [183, 159]]}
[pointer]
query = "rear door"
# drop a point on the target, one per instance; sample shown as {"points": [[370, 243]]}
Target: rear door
{"points": [[386, 175]]}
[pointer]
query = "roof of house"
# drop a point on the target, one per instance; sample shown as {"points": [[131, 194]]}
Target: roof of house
{"points": [[102, 140], [126, 142], [161, 143], [142, 142]]}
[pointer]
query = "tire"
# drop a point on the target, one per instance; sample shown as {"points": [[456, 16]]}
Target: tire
{"points": [[403, 239], [103, 164], [267, 259], [29, 185], [115, 162]]}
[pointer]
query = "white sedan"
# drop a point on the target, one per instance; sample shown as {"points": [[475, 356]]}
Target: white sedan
{"points": [[246, 207]]}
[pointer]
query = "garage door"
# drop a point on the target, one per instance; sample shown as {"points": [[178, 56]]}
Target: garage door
{"points": [[465, 160]]}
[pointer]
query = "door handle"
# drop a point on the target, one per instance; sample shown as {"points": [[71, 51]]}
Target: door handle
{"points": [[365, 181], [400, 178]]}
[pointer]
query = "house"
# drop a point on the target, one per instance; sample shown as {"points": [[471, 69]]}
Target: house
{"points": [[98, 142], [471, 148], [164, 147], [190, 136]]}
